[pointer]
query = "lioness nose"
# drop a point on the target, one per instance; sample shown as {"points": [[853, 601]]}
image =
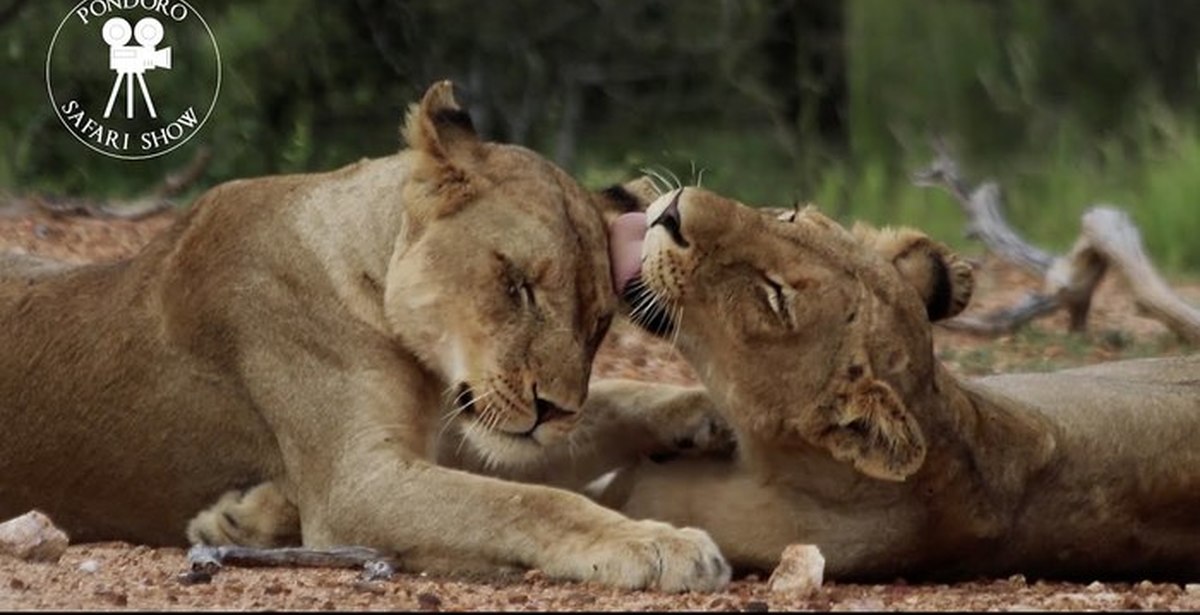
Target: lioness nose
{"points": [[670, 220], [549, 411]]}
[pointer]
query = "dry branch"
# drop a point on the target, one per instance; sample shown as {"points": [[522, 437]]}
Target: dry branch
{"points": [[1109, 237], [1113, 235], [205, 560], [985, 219], [152, 202]]}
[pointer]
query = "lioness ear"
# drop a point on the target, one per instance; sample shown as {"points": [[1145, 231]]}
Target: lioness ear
{"points": [[867, 425], [438, 126], [625, 198], [944, 281]]}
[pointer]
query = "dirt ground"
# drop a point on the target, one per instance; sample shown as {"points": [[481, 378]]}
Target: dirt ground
{"points": [[123, 576]]}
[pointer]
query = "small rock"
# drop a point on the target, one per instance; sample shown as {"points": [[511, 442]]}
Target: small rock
{"points": [[1096, 586], [32, 537], [377, 570], [428, 601], [1192, 588], [196, 577], [89, 566], [801, 570], [17, 584], [1018, 580]]}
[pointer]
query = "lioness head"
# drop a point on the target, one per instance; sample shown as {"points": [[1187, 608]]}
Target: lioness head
{"points": [[500, 282], [809, 334]]}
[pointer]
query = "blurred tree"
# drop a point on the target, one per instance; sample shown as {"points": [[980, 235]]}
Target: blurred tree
{"points": [[787, 96]]}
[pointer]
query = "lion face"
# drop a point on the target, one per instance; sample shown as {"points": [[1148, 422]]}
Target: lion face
{"points": [[809, 334], [501, 284]]}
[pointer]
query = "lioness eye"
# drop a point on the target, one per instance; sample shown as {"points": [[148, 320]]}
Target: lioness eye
{"points": [[776, 299], [521, 291]]}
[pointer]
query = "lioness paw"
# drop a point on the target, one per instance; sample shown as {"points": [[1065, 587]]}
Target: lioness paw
{"points": [[690, 424], [649, 555]]}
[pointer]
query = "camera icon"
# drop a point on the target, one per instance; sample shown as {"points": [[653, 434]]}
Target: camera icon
{"points": [[132, 61]]}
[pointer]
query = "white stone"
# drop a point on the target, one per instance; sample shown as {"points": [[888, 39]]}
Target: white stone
{"points": [[32, 537], [801, 570], [89, 566], [1192, 588]]}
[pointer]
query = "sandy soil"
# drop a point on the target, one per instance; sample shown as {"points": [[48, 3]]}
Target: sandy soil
{"points": [[122, 576]]}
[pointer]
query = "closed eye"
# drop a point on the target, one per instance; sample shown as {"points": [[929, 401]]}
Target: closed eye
{"points": [[777, 300], [522, 291]]}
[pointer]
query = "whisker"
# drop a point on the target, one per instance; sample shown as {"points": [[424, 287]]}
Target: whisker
{"points": [[656, 175], [678, 184], [676, 319], [642, 309], [448, 420], [467, 433]]}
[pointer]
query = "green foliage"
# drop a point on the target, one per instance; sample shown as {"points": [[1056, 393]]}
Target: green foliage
{"points": [[1064, 103]]}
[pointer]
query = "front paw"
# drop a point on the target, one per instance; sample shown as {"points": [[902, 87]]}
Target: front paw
{"points": [[691, 424], [647, 555]]}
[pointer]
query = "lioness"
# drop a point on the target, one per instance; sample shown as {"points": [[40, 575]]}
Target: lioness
{"points": [[815, 342], [302, 334]]}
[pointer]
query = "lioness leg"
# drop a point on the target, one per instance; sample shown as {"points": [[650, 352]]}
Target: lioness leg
{"points": [[622, 422], [745, 516], [358, 477]]}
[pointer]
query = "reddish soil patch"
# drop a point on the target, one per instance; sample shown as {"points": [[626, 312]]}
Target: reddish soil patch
{"points": [[122, 576]]}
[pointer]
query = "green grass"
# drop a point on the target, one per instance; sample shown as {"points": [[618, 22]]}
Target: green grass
{"points": [[1039, 348], [1154, 180]]}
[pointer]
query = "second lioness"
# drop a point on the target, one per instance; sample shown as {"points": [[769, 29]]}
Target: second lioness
{"points": [[816, 343]]}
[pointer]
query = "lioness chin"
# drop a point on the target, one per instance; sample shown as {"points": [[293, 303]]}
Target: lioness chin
{"points": [[815, 343], [299, 344]]}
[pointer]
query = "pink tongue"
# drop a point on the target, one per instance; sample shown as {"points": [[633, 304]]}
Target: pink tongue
{"points": [[625, 248]]}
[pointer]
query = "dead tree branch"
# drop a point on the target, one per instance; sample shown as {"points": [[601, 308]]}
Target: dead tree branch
{"points": [[984, 209], [1112, 235], [154, 201], [205, 561], [1109, 237]]}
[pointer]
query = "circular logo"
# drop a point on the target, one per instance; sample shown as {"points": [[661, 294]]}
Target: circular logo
{"points": [[133, 79]]}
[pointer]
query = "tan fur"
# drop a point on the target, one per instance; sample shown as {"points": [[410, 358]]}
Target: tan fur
{"points": [[852, 436], [305, 336]]}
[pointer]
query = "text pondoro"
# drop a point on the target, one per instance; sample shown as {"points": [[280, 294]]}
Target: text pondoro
{"points": [[100, 8]]}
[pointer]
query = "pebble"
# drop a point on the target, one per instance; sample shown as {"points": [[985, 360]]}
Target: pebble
{"points": [[89, 566], [428, 601], [1192, 589], [32, 537], [377, 570], [801, 570]]}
